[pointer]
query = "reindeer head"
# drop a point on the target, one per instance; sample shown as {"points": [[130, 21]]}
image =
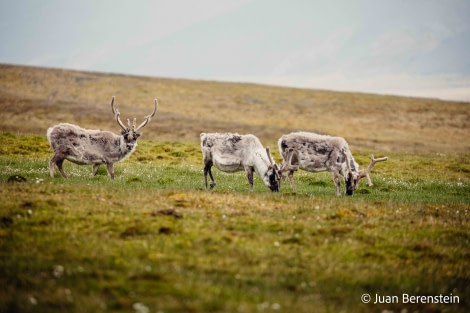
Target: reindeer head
{"points": [[352, 179], [273, 173], [351, 183], [129, 134]]}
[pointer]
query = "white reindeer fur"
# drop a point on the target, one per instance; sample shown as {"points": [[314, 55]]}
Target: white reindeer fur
{"points": [[231, 152]]}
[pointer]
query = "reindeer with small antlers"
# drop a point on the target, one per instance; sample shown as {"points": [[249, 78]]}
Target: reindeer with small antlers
{"points": [[94, 147], [231, 152], [317, 153]]}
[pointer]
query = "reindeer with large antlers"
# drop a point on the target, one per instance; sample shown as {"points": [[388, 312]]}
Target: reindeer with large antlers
{"points": [[94, 147], [317, 153]]}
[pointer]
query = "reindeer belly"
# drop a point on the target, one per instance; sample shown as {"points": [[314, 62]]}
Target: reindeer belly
{"points": [[82, 156], [228, 164], [87, 160]]}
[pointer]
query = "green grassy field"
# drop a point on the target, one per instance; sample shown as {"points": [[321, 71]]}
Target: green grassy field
{"points": [[153, 240]]}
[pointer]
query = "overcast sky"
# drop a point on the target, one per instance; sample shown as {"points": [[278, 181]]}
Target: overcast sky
{"points": [[411, 47]]}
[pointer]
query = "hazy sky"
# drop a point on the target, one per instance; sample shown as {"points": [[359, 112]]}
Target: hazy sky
{"points": [[410, 47]]}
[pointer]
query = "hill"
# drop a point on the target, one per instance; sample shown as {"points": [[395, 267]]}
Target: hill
{"points": [[32, 99]]}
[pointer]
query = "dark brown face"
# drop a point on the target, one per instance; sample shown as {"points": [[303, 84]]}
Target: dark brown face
{"points": [[351, 184], [274, 178], [130, 138]]}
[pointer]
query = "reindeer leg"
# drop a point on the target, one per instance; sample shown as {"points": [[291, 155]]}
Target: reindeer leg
{"points": [[95, 168], [59, 166], [249, 176], [58, 160], [110, 168], [291, 180], [207, 170], [337, 183], [51, 167], [212, 178]]}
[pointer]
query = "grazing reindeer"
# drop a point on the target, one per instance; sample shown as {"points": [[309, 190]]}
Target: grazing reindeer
{"points": [[233, 152], [317, 153], [86, 147]]}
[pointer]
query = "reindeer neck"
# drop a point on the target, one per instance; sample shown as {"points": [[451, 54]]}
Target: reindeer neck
{"points": [[261, 162]]}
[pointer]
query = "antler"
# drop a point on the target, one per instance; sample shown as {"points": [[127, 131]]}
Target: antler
{"points": [[148, 117], [369, 168], [268, 152], [116, 116], [287, 164]]}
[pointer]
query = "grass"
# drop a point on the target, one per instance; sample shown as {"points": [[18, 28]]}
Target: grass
{"points": [[89, 244], [153, 240]]}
